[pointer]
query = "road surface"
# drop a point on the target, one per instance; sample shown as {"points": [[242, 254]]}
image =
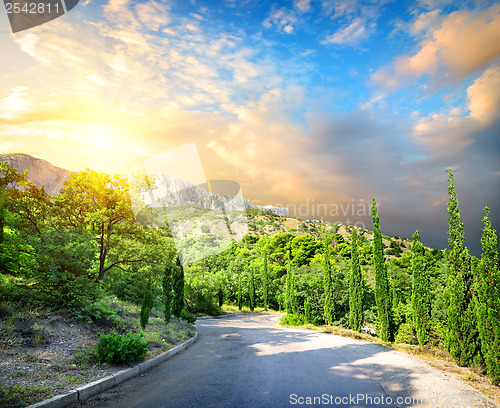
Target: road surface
{"points": [[249, 361]]}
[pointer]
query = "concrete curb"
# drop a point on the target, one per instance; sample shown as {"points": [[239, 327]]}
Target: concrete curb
{"points": [[89, 390]]}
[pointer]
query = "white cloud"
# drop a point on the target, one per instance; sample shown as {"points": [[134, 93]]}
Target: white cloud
{"points": [[15, 104], [302, 5], [153, 15], [353, 34], [464, 43], [282, 18], [427, 21]]}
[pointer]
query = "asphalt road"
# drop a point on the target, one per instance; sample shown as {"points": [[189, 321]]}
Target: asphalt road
{"points": [[249, 361]]}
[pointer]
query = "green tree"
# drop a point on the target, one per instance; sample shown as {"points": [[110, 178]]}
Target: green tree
{"points": [[383, 296], [101, 204], [421, 293], [307, 311], [265, 282], [462, 337], [251, 290], [9, 179], [168, 293], [329, 305], [488, 300], [356, 289], [240, 293], [178, 288], [146, 306], [291, 304]]}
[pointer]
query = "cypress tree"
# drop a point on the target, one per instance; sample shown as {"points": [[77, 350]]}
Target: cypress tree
{"points": [[420, 298], [288, 290], [329, 305], [356, 290], [220, 294], [265, 282], [462, 337], [168, 290], [488, 300], [252, 290], [240, 294], [307, 310], [178, 288], [382, 288], [147, 305], [291, 295]]}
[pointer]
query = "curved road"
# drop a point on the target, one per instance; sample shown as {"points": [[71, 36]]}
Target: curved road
{"points": [[249, 361]]}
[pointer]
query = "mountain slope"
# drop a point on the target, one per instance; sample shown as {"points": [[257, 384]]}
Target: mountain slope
{"points": [[40, 172]]}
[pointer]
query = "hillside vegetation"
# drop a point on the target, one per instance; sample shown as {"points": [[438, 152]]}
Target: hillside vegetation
{"points": [[67, 252]]}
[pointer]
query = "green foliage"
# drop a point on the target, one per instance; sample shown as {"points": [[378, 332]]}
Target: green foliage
{"points": [[168, 289], [329, 296], [405, 334], [188, 317], [488, 300], [307, 311], [147, 305], [65, 277], [291, 304], [356, 289], [292, 320], [462, 335], [17, 395], [303, 248], [251, 290], [240, 293], [383, 296], [421, 300], [178, 288], [265, 283], [100, 204], [118, 348]]}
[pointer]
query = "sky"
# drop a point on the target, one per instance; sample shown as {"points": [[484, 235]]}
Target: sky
{"points": [[317, 105]]}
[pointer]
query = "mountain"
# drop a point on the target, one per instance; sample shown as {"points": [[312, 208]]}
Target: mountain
{"points": [[173, 192], [40, 172], [170, 191]]}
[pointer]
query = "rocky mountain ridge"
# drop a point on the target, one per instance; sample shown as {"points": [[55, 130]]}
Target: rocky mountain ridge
{"points": [[169, 191], [40, 172]]}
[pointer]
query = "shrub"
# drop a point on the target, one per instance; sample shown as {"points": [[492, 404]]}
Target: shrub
{"points": [[21, 396], [405, 334], [117, 348], [293, 320], [188, 317]]}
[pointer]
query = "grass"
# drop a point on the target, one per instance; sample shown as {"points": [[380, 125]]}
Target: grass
{"points": [[13, 396]]}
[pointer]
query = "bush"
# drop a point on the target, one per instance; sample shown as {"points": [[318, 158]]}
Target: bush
{"points": [[293, 320], [188, 317], [405, 334], [117, 348]]}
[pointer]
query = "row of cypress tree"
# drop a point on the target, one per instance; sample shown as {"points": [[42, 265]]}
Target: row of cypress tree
{"points": [[472, 293]]}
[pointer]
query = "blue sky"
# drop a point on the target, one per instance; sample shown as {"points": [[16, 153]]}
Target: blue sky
{"points": [[312, 103]]}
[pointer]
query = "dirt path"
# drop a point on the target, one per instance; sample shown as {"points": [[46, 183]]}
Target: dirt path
{"points": [[249, 361]]}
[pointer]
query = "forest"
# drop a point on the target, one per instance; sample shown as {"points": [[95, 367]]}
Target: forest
{"points": [[71, 250]]}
